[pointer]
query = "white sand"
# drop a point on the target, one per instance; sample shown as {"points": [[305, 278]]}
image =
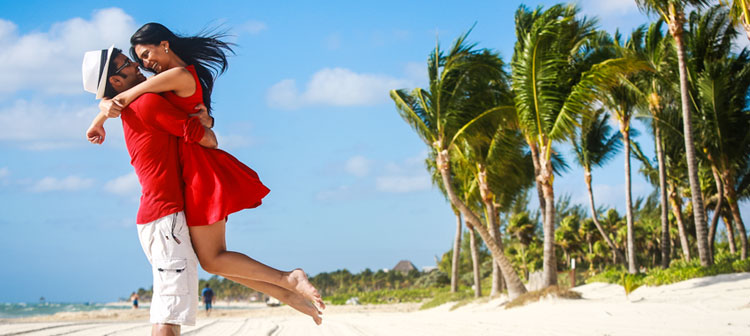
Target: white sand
{"points": [[707, 306]]}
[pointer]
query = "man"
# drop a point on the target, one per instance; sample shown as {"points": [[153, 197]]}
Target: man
{"points": [[208, 297], [152, 128]]}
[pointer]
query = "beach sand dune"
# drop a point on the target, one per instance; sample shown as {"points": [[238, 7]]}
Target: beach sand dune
{"points": [[717, 305]]}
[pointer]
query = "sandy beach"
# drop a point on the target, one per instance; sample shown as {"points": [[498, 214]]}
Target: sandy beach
{"points": [[717, 305]]}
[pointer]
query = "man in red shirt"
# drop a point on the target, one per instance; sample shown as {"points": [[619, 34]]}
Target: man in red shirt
{"points": [[152, 129]]}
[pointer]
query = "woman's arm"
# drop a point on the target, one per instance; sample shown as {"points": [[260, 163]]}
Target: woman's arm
{"points": [[179, 80]]}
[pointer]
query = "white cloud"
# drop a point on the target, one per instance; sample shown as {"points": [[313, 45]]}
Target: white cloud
{"points": [[50, 61], [403, 184], [124, 185], [335, 87], [37, 125], [408, 176], [358, 166], [233, 141], [741, 41], [609, 8], [70, 183], [4, 172], [252, 27]]}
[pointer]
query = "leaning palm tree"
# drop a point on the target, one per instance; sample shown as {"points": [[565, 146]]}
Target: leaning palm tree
{"points": [[463, 186], [437, 115], [673, 13], [720, 89], [558, 71], [594, 146]]}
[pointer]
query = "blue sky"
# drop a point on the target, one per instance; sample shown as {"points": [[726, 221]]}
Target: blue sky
{"points": [[304, 102]]}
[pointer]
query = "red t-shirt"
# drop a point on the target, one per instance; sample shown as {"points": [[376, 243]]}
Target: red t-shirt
{"points": [[152, 127]]}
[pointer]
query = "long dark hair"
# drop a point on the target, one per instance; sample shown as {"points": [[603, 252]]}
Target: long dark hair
{"points": [[206, 51]]}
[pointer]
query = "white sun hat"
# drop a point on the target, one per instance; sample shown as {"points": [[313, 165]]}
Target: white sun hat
{"points": [[95, 65]]}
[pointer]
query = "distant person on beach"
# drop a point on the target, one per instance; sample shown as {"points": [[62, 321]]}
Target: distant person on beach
{"points": [[208, 297], [216, 183], [134, 297]]}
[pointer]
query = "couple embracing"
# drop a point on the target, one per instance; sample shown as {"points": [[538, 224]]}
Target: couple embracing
{"points": [[189, 187]]}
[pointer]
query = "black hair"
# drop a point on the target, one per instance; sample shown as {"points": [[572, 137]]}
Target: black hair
{"points": [[109, 91], [206, 51]]}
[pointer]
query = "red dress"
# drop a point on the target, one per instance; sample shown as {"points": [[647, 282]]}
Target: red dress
{"points": [[216, 183]]}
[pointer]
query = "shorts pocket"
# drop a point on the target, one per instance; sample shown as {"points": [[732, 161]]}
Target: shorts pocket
{"points": [[170, 277]]}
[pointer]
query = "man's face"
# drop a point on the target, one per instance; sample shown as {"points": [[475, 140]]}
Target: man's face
{"points": [[128, 74]]}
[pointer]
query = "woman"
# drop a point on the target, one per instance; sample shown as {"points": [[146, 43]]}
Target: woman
{"points": [[216, 184]]}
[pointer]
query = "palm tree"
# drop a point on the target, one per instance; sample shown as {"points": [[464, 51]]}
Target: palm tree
{"points": [[462, 184], [653, 90], [720, 89], [673, 13], [740, 11], [593, 147], [438, 115], [556, 71], [493, 151]]}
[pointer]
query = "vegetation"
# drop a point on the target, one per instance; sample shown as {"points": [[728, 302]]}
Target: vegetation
{"points": [[492, 129]]}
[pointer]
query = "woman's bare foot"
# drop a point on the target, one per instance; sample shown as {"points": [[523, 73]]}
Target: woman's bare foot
{"points": [[298, 282], [304, 306]]}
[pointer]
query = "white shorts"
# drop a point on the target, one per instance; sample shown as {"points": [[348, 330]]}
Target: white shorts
{"points": [[166, 242]]}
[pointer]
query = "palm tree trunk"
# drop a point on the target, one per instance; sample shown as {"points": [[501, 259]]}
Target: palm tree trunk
{"points": [[494, 227], [515, 286], [537, 169], [717, 210], [677, 212], [632, 265], [475, 263], [695, 187], [497, 275], [618, 257], [731, 195], [665, 239], [456, 254], [728, 223], [545, 178], [740, 227]]}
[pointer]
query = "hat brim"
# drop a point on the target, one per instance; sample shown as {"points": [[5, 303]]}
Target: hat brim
{"points": [[103, 75]]}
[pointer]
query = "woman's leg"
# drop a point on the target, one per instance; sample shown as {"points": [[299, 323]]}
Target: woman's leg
{"points": [[210, 246], [294, 300]]}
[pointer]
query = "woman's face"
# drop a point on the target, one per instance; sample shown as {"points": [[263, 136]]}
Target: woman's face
{"points": [[153, 56]]}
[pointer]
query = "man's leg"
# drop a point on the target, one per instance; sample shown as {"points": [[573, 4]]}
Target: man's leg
{"points": [[166, 242], [165, 330]]}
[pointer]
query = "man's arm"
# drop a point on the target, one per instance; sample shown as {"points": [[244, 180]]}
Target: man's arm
{"points": [[209, 138], [157, 112]]}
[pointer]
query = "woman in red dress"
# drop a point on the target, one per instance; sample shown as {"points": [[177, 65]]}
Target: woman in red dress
{"points": [[216, 183]]}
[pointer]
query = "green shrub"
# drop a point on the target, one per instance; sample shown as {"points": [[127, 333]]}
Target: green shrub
{"points": [[630, 282], [679, 270]]}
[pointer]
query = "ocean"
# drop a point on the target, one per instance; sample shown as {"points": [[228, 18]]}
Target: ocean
{"points": [[17, 310]]}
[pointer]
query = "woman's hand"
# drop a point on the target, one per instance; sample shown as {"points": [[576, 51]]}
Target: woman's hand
{"points": [[202, 114], [96, 134], [111, 107]]}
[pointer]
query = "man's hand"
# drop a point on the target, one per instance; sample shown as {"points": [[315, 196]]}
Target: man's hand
{"points": [[96, 134], [202, 114], [110, 107]]}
